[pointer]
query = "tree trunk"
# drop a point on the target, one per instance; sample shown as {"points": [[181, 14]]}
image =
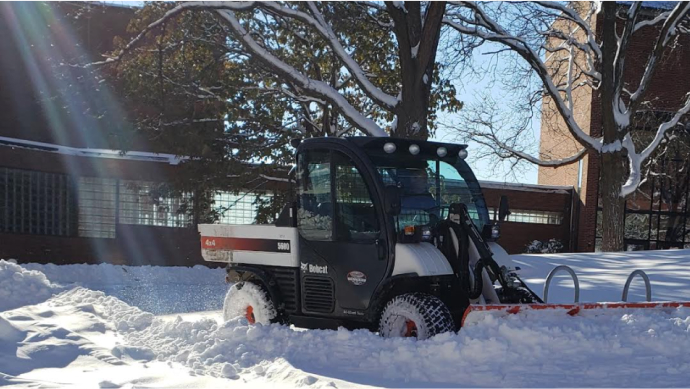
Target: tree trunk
{"points": [[418, 36], [613, 168], [613, 173]]}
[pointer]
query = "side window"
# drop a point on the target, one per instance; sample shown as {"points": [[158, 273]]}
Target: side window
{"points": [[356, 217], [315, 212]]}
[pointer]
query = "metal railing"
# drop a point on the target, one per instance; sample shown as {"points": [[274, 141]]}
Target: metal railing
{"points": [[553, 273], [647, 285]]}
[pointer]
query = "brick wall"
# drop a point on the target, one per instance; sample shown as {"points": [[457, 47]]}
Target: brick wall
{"points": [[134, 245], [668, 89], [516, 236]]}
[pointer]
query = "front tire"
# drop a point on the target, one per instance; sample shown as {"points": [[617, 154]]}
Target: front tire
{"points": [[251, 301], [416, 315]]}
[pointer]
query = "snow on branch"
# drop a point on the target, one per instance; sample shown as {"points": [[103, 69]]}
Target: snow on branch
{"points": [[573, 15], [668, 31], [319, 24], [636, 160], [316, 88], [205, 5], [487, 28], [651, 22]]}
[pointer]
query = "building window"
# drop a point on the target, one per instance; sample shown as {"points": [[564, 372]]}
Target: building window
{"points": [[97, 207], [146, 203], [238, 208], [36, 203], [533, 217]]}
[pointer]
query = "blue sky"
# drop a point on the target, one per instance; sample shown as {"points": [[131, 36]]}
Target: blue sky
{"points": [[470, 90]]}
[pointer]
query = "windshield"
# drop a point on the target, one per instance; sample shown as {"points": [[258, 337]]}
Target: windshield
{"points": [[429, 186]]}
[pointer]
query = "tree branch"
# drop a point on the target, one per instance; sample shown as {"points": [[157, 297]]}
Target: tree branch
{"points": [[636, 160], [668, 30], [497, 34], [315, 88], [324, 29]]}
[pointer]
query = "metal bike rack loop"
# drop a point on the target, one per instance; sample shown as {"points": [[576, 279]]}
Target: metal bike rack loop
{"points": [[647, 284], [553, 273]]}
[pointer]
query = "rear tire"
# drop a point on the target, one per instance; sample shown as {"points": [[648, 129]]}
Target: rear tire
{"points": [[251, 301], [415, 315]]}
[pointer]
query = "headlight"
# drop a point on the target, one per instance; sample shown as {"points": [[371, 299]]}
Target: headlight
{"points": [[389, 147], [495, 232]]}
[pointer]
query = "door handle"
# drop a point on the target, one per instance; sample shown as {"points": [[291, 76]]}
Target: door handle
{"points": [[380, 249]]}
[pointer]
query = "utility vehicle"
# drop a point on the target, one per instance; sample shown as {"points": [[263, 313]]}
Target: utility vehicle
{"points": [[387, 234]]}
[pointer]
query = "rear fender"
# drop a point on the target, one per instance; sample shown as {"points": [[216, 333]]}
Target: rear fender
{"points": [[257, 275]]}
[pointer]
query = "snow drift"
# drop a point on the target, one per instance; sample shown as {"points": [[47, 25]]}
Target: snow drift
{"points": [[80, 336], [19, 286], [628, 349]]}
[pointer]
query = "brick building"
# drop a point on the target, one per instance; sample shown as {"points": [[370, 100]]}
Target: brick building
{"points": [[68, 195], [649, 213]]}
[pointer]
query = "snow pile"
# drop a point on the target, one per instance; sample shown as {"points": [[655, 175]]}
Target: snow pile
{"points": [[124, 317], [554, 349], [84, 337], [107, 274], [19, 286], [156, 289]]}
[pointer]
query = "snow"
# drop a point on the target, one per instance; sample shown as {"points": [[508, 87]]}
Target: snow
{"points": [[19, 286], [316, 88], [603, 275], [414, 52], [526, 187], [425, 79], [93, 153], [400, 5], [85, 337], [612, 147]]}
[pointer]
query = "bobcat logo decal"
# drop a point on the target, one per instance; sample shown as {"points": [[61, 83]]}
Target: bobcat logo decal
{"points": [[313, 269]]}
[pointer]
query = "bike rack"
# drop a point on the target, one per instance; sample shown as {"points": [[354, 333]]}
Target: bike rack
{"points": [[647, 284], [553, 272]]}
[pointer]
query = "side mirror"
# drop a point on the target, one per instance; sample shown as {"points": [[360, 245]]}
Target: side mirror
{"points": [[392, 199], [503, 209]]}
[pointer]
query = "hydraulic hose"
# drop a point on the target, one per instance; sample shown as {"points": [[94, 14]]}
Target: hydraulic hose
{"points": [[475, 290]]}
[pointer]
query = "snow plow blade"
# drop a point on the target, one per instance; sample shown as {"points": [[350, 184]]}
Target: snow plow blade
{"points": [[475, 313]]}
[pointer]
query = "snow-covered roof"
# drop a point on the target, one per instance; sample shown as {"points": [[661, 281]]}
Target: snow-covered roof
{"points": [[526, 187], [91, 153]]}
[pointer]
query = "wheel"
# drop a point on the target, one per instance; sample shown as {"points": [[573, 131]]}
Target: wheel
{"points": [[251, 301], [416, 315]]}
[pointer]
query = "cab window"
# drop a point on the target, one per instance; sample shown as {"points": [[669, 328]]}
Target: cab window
{"points": [[315, 211], [335, 202], [355, 210]]}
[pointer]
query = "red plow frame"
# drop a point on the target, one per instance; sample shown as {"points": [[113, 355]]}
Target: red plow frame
{"points": [[570, 309]]}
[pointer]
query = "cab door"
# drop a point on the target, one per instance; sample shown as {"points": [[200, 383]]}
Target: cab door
{"points": [[342, 243]]}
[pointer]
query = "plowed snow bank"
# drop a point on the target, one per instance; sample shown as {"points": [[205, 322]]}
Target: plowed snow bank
{"points": [[19, 286], [633, 348]]}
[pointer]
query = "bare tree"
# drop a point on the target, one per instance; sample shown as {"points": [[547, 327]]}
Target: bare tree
{"points": [[415, 26], [560, 44]]}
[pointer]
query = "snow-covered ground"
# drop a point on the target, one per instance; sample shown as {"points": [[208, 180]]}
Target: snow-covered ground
{"points": [[112, 326], [602, 276]]}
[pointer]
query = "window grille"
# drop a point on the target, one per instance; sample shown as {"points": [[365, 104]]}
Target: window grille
{"points": [[36, 203], [142, 203], [97, 207], [238, 208], [533, 217]]}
